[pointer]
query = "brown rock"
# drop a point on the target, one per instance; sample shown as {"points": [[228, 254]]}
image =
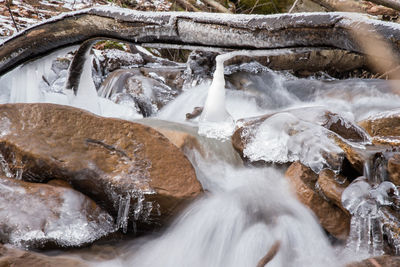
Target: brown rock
{"points": [[380, 261], [353, 155], [10, 256], [383, 126], [111, 160], [330, 186], [34, 215], [394, 169], [331, 217]]}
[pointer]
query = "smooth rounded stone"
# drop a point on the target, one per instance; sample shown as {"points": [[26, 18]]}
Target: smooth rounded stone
{"points": [[10, 256], [34, 215], [328, 138], [384, 125], [331, 217], [332, 186], [131, 169], [393, 168], [380, 261]]}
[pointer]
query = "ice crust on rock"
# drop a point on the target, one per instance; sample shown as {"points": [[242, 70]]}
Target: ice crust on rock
{"points": [[285, 137], [34, 219]]}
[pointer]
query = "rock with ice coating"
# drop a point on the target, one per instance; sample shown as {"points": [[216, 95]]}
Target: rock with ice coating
{"points": [[310, 135], [34, 215], [130, 87], [331, 217], [132, 169]]}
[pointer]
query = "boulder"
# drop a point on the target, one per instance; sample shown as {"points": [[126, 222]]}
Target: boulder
{"points": [[332, 186], [386, 124], [129, 87], [380, 261], [339, 131], [331, 217], [34, 215], [131, 169], [393, 168], [10, 256]]}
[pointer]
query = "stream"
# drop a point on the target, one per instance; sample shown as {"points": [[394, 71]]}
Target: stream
{"points": [[245, 208]]}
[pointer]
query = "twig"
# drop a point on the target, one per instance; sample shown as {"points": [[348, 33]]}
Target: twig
{"points": [[388, 3], [188, 6], [388, 72], [217, 6], [293, 6], [270, 255], [255, 4], [8, 4]]}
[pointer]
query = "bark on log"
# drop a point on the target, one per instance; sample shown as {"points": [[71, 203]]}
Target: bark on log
{"points": [[224, 30]]}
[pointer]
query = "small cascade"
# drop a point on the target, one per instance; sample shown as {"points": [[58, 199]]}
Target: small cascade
{"points": [[86, 96]]}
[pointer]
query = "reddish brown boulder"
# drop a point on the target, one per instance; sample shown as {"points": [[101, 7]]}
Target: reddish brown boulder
{"points": [[384, 125], [130, 168], [10, 256], [34, 215], [333, 186], [331, 217], [394, 169]]}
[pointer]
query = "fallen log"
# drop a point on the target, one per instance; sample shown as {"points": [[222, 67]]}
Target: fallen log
{"points": [[226, 31]]}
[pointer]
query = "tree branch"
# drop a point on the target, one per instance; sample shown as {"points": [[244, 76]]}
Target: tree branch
{"points": [[388, 3]]}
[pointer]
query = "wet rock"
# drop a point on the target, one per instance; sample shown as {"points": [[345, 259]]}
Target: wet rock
{"points": [[200, 66], [393, 168], [172, 76], [10, 256], [331, 217], [195, 113], [332, 186], [34, 215], [380, 261], [385, 124], [131, 169], [352, 153]]}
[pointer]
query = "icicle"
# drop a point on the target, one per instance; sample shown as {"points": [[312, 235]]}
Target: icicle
{"points": [[123, 212]]}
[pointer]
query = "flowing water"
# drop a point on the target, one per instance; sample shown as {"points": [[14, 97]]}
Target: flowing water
{"points": [[244, 210]]}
